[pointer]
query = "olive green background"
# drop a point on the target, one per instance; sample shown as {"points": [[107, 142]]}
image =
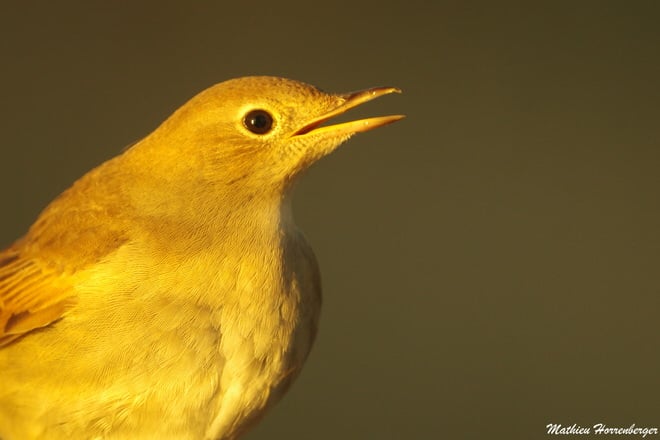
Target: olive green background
{"points": [[491, 263]]}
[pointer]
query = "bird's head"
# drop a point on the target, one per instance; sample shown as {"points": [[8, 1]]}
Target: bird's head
{"points": [[258, 132]]}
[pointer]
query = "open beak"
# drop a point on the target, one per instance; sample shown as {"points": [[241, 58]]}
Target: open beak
{"points": [[347, 128]]}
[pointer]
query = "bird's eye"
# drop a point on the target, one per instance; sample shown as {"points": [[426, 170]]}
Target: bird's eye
{"points": [[258, 121]]}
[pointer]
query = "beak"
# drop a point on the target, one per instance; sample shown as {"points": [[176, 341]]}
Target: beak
{"points": [[348, 128]]}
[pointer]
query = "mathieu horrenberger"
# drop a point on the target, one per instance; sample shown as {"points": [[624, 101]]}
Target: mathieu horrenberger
{"points": [[598, 428]]}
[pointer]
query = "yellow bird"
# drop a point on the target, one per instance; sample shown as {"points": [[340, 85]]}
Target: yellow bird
{"points": [[168, 293]]}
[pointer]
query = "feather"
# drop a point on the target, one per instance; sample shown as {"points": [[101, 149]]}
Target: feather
{"points": [[31, 296]]}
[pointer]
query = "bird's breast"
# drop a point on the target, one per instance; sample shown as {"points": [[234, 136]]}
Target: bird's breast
{"points": [[268, 323]]}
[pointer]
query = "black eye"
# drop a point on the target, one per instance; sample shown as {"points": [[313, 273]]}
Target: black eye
{"points": [[258, 121]]}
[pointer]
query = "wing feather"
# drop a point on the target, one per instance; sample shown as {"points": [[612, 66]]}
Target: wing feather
{"points": [[31, 296]]}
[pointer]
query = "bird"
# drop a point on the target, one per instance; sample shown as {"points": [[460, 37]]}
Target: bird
{"points": [[168, 293]]}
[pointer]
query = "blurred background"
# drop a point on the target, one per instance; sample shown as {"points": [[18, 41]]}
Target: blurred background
{"points": [[491, 264]]}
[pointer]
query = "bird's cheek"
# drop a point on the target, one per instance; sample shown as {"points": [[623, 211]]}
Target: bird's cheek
{"points": [[313, 147]]}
